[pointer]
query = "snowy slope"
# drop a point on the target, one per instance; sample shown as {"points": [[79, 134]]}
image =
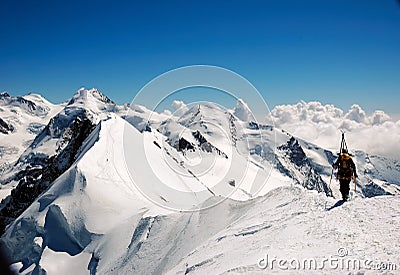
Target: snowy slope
{"points": [[207, 127], [288, 223], [94, 196], [123, 201], [143, 118], [23, 118], [52, 151]]}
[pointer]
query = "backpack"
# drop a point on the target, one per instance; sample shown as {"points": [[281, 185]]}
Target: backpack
{"points": [[345, 171]]}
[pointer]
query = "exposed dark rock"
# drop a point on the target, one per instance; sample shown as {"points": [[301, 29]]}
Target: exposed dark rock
{"points": [[42, 170], [371, 189], [5, 128], [297, 163]]}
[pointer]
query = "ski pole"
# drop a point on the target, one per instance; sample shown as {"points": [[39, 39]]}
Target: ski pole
{"points": [[330, 183], [355, 183]]}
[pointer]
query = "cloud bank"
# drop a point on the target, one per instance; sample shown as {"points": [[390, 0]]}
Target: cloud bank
{"points": [[321, 124], [179, 108]]}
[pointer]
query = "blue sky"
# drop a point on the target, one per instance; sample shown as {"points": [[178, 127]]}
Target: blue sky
{"points": [[334, 51]]}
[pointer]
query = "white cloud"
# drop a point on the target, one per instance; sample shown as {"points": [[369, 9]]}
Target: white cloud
{"points": [[320, 124], [179, 108], [357, 114], [379, 117]]}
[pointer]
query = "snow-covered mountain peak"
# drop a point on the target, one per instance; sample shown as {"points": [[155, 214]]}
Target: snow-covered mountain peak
{"points": [[200, 111], [4, 94], [86, 106], [92, 99], [21, 119], [242, 111], [56, 139], [202, 121], [94, 195], [38, 99], [21, 104]]}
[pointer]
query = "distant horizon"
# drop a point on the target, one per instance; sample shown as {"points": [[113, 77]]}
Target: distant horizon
{"points": [[56, 100], [394, 116]]}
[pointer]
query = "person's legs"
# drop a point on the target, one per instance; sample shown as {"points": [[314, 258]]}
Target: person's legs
{"points": [[345, 189]]}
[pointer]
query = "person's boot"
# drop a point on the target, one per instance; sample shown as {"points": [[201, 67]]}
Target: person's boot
{"points": [[346, 195]]}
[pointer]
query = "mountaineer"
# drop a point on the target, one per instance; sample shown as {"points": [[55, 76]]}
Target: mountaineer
{"points": [[346, 170]]}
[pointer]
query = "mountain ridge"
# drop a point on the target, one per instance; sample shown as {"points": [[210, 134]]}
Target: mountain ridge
{"points": [[99, 205]]}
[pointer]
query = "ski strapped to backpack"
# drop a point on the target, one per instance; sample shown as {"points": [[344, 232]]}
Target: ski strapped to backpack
{"points": [[343, 144]]}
